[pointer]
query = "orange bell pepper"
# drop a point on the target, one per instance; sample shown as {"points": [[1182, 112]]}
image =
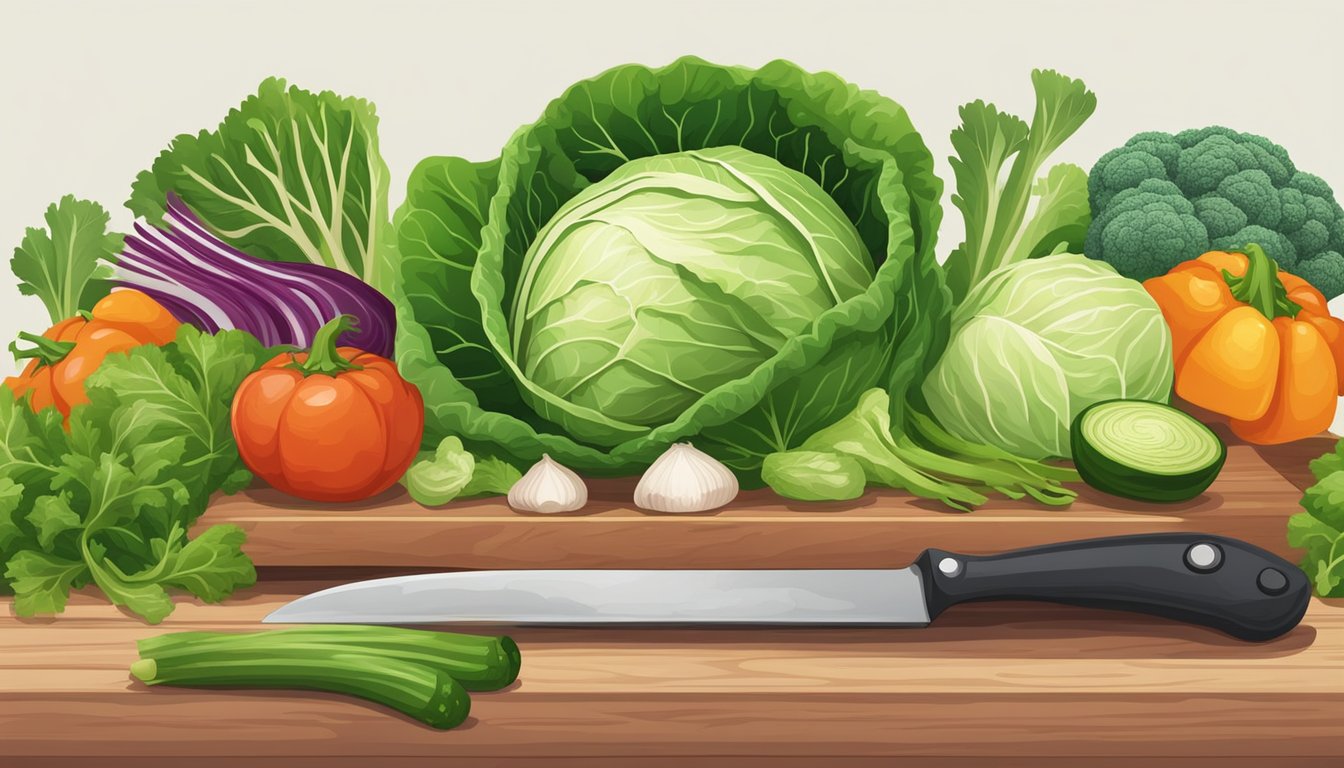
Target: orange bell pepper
{"points": [[64, 356], [1253, 343], [330, 424]]}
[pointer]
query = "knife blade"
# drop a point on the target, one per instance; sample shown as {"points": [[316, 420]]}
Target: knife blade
{"points": [[1202, 579]]}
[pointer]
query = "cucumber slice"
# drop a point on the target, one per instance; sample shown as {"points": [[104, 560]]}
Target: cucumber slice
{"points": [[1145, 451]]}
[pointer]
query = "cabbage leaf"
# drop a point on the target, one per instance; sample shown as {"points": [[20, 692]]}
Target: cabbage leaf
{"points": [[289, 175], [466, 228], [1038, 341]]}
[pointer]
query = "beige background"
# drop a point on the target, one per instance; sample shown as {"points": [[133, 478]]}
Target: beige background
{"points": [[91, 91]]}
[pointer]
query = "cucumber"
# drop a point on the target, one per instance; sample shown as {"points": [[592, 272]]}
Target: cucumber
{"points": [[421, 692], [479, 663], [1145, 451]]}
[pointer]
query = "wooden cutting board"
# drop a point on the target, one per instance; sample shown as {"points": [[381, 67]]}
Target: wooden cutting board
{"points": [[1250, 500], [1046, 685], [1001, 684]]}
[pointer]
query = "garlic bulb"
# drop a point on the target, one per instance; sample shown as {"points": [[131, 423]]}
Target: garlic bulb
{"points": [[684, 479], [548, 487]]}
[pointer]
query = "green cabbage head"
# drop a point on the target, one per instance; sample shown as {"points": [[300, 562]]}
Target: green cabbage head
{"points": [[1040, 340], [696, 252], [674, 275]]}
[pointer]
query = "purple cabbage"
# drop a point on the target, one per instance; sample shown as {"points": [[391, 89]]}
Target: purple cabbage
{"points": [[208, 283]]}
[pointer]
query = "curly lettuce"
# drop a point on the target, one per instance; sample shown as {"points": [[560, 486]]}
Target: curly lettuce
{"points": [[111, 502]]}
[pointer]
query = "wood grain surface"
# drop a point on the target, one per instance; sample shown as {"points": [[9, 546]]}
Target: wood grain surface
{"points": [[995, 684], [1250, 500], [987, 681]]}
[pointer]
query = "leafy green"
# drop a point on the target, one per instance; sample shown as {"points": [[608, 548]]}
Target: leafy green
{"points": [[492, 477], [68, 264], [725, 255], [450, 472], [112, 500], [813, 475], [998, 229], [921, 459], [11, 497], [42, 582], [1328, 463], [466, 230], [1061, 219], [438, 477], [52, 516], [1320, 529], [289, 175], [1036, 343]]}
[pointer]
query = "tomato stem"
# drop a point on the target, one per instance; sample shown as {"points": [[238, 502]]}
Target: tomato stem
{"points": [[323, 357], [1261, 287], [47, 351]]}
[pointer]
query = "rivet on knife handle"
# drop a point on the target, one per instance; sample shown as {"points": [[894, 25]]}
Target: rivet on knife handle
{"points": [[1213, 581]]}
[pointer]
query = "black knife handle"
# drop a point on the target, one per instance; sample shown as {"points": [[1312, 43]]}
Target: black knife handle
{"points": [[1198, 578]]}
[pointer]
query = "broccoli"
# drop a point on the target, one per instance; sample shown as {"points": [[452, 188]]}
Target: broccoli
{"points": [[1163, 199]]}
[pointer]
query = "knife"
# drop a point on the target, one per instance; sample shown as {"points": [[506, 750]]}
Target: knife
{"points": [[1212, 581]]}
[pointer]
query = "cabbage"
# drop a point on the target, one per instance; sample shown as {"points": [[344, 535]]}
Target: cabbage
{"points": [[696, 251], [1038, 341], [674, 275]]}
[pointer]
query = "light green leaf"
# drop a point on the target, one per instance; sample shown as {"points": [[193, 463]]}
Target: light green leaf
{"points": [[146, 599], [31, 444], [236, 481], [1324, 560], [1325, 500], [983, 143], [42, 582], [865, 435], [814, 475], [212, 565], [1320, 529], [492, 476], [52, 516], [437, 478], [997, 231], [289, 175], [1328, 464], [183, 392], [1059, 222], [11, 497], [67, 265]]}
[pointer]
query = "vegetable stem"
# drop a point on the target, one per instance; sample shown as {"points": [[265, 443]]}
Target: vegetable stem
{"points": [[1260, 287], [323, 357], [145, 669], [46, 351]]}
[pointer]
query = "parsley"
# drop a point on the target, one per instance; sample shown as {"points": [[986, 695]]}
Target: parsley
{"points": [[1320, 529], [67, 265], [110, 502]]}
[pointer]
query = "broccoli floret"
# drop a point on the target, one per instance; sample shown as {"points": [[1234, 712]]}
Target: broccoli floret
{"points": [[1153, 224], [1162, 199]]}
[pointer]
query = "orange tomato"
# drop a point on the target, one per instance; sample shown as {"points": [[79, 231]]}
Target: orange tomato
{"points": [[63, 357], [332, 424], [1253, 343]]}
